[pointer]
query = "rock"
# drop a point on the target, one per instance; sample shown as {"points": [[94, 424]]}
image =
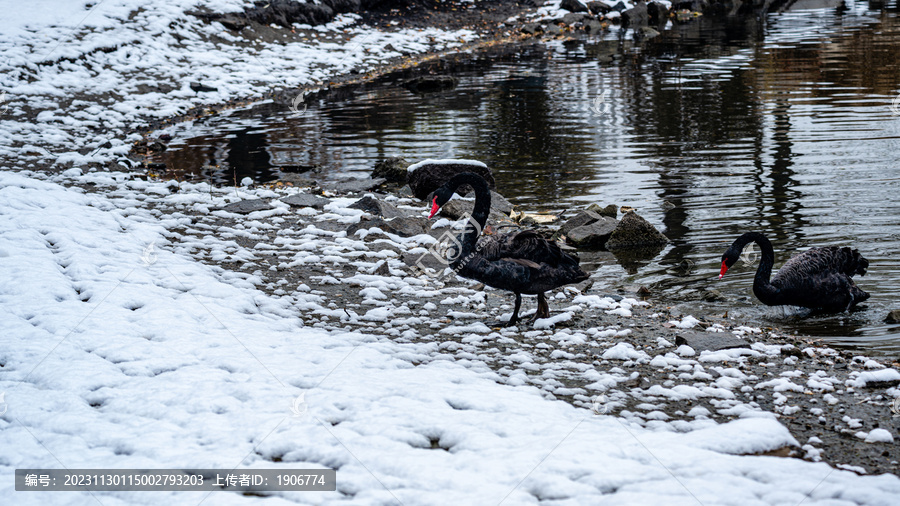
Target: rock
{"points": [[712, 341], [393, 169], [657, 14], [573, 6], [573, 17], [430, 84], [599, 7], [357, 185], [457, 208], [382, 269], [611, 210], [595, 234], [647, 33], [305, 200], [635, 231], [531, 28], [619, 7], [202, 88], [593, 27], [232, 22], [635, 16], [247, 206], [554, 29], [404, 226], [579, 220], [377, 207], [893, 316], [500, 204], [667, 206]]}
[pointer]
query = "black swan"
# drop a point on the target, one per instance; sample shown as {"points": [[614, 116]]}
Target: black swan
{"points": [[519, 262], [428, 175], [818, 278]]}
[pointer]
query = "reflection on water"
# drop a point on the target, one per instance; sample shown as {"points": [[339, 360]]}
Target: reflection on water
{"points": [[782, 126]]}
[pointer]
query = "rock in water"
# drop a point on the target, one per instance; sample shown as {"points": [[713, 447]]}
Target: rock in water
{"points": [[635, 231], [611, 210], [393, 169], [430, 84], [594, 235], [893, 316], [579, 220]]}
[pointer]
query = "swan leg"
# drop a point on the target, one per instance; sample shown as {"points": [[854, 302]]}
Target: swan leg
{"points": [[515, 316], [543, 309]]}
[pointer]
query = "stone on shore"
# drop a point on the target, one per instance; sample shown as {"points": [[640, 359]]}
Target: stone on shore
{"points": [[357, 185], [404, 226], [247, 206], [712, 341], [611, 210], [393, 169], [634, 231], [573, 6], [377, 207], [893, 316], [579, 220], [305, 200]]}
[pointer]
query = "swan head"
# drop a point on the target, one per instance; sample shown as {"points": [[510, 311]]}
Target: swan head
{"points": [[729, 258]]}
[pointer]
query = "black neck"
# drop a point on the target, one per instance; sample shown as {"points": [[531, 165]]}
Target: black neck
{"points": [[762, 288], [481, 210]]}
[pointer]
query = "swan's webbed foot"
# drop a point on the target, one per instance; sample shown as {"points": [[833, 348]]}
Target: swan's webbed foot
{"points": [[543, 309]]}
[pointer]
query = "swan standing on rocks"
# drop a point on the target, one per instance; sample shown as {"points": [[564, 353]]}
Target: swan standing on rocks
{"points": [[519, 262], [819, 278]]}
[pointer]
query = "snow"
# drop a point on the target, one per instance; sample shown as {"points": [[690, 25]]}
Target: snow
{"points": [[444, 161], [879, 436], [874, 376]]}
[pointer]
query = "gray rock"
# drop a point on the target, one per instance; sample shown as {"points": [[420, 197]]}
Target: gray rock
{"points": [[247, 206], [893, 316], [619, 7], [573, 6], [404, 226], [657, 14], [377, 207], [357, 185], [574, 17], [393, 169], [593, 27], [636, 16], [305, 200], [647, 33], [532, 28], [554, 29], [596, 234], [599, 7], [579, 220], [635, 231], [611, 210], [712, 341]]}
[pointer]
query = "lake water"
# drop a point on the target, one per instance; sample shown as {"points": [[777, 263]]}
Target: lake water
{"points": [[784, 126]]}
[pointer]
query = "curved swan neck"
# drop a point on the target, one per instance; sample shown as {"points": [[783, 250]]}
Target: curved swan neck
{"points": [[762, 287], [479, 212]]}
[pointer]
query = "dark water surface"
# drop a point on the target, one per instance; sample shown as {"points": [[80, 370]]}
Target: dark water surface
{"points": [[783, 126]]}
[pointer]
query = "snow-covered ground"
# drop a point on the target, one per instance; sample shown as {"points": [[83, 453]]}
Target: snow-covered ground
{"points": [[121, 349]]}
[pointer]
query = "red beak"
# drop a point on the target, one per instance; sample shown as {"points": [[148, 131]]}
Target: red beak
{"points": [[434, 208], [724, 269]]}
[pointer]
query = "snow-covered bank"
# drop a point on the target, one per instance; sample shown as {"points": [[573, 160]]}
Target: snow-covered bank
{"points": [[77, 76], [118, 355]]}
